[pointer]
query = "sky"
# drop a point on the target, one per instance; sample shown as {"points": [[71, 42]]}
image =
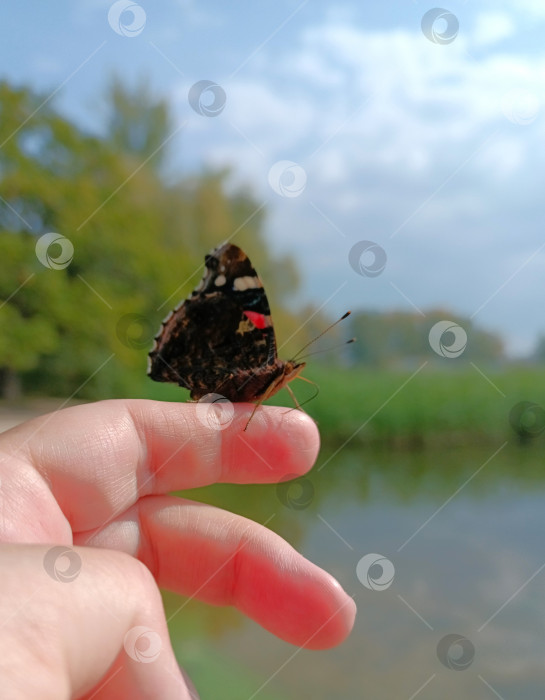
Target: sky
{"points": [[397, 147]]}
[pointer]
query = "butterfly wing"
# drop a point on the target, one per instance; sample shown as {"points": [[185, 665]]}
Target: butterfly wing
{"points": [[223, 328]]}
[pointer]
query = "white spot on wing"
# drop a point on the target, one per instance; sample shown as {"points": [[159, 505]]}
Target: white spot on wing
{"points": [[240, 284], [220, 280], [154, 348]]}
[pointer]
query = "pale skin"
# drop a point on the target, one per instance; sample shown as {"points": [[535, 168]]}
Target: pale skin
{"points": [[97, 477]]}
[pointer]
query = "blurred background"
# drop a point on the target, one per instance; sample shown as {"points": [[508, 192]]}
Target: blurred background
{"points": [[380, 158]]}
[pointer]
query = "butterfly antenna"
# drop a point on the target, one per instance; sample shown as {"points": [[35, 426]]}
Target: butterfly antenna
{"points": [[319, 352], [326, 330]]}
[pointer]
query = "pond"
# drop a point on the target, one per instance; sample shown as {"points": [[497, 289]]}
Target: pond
{"points": [[453, 605]]}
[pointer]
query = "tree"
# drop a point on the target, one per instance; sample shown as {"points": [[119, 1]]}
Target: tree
{"points": [[137, 124], [138, 244], [538, 354], [397, 338]]}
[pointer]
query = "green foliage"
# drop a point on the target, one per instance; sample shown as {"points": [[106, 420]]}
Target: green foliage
{"points": [[433, 408], [137, 123], [138, 243], [398, 338]]}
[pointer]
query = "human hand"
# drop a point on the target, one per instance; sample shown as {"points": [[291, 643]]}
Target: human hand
{"points": [[97, 476]]}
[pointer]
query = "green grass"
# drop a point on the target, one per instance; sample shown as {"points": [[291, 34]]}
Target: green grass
{"points": [[428, 407], [216, 676], [199, 632]]}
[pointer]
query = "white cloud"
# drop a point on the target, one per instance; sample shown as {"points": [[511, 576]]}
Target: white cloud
{"points": [[523, 8], [396, 132], [268, 115], [331, 164], [492, 27], [390, 100]]}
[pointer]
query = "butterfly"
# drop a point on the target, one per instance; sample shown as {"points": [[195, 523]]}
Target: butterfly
{"points": [[221, 339]]}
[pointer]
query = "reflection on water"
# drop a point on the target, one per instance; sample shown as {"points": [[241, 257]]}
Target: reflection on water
{"points": [[464, 531]]}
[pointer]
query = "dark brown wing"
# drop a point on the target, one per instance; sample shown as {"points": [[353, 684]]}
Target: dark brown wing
{"points": [[223, 329]]}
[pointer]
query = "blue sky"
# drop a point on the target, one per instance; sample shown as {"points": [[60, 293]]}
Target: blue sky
{"points": [[433, 151]]}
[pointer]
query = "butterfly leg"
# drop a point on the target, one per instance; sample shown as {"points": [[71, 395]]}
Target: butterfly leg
{"points": [[297, 406], [269, 392]]}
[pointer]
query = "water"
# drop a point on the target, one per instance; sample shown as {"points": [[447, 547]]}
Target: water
{"points": [[465, 532]]}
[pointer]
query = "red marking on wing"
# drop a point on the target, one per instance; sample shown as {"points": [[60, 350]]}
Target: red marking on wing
{"points": [[259, 320]]}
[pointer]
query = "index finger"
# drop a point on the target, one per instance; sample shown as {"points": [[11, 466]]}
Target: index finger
{"points": [[100, 458]]}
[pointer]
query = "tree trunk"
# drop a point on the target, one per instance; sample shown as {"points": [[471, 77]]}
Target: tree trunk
{"points": [[10, 384]]}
